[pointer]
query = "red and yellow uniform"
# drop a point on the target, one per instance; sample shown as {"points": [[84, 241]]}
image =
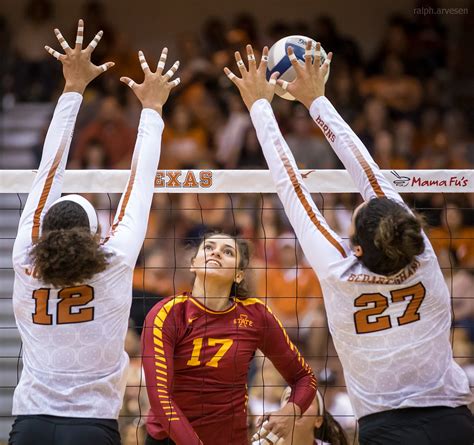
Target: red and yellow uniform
{"points": [[196, 362]]}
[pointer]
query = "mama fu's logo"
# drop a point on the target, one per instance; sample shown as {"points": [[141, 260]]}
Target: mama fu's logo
{"points": [[243, 321], [423, 181]]}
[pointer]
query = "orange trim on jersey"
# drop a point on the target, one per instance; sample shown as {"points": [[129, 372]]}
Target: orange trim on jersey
{"points": [[161, 375], [126, 197], [367, 170], [304, 201], [46, 189]]}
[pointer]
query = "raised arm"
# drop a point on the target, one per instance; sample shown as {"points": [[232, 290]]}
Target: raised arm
{"points": [[308, 88], [129, 227], [158, 340], [321, 245], [78, 71]]}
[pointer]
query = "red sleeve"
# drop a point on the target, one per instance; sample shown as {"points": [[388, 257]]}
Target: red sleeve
{"points": [[160, 332], [277, 346]]}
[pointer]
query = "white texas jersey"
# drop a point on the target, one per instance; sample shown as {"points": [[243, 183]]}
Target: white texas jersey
{"points": [[391, 333], [73, 338]]}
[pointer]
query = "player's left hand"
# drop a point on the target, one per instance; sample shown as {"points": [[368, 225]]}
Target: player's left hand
{"points": [[253, 84], [310, 77], [272, 427], [78, 70]]}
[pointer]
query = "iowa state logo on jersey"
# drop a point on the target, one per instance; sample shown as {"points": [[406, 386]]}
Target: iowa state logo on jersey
{"points": [[243, 321]]}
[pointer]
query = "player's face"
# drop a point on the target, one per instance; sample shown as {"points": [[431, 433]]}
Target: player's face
{"points": [[357, 249], [307, 423], [218, 258]]}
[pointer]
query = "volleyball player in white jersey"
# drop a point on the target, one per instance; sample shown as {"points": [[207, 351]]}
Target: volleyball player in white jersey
{"points": [[387, 304], [72, 294]]}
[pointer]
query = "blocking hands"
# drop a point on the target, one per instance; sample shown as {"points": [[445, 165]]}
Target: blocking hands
{"points": [[154, 91], [78, 70], [310, 77], [253, 84]]}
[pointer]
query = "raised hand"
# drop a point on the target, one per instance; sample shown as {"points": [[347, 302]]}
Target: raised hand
{"points": [[78, 70], [154, 91], [253, 84], [310, 77]]}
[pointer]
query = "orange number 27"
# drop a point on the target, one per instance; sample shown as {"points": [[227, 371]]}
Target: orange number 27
{"points": [[379, 303]]}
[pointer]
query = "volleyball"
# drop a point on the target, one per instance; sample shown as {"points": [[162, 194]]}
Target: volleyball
{"points": [[278, 60]]}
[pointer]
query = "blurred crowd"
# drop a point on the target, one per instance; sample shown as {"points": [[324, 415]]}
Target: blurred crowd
{"points": [[402, 100]]}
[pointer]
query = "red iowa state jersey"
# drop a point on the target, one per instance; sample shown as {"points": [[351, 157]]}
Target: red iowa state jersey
{"points": [[196, 362]]}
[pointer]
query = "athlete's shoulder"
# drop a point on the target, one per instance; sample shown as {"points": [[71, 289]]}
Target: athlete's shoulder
{"points": [[168, 304]]}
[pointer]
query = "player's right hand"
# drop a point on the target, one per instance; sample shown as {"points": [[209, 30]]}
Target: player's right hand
{"points": [[78, 70], [310, 77], [154, 91]]}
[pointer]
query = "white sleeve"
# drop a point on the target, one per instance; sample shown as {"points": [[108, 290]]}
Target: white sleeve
{"points": [[48, 181], [129, 227], [321, 245], [363, 170]]}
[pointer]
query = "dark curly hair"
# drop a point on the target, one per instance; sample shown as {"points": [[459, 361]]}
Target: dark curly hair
{"points": [[389, 234], [330, 431], [67, 253], [238, 290]]}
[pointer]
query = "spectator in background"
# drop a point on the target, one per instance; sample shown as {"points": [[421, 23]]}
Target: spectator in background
{"points": [[111, 131], [400, 92], [184, 142], [292, 290], [453, 237], [309, 148], [36, 75], [231, 137]]}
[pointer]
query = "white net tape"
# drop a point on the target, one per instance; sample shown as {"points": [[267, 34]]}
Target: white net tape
{"points": [[243, 181]]}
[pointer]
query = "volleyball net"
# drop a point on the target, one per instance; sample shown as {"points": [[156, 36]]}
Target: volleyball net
{"points": [[190, 203]]}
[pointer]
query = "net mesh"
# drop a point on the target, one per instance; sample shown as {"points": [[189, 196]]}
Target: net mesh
{"points": [[244, 203]]}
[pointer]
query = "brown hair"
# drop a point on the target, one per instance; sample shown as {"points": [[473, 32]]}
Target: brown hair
{"points": [[238, 290], [330, 431], [67, 253], [389, 234]]}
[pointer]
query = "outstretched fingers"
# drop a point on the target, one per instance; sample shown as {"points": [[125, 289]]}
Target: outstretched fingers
{"points": [[294, 60], [174, 83], [264, 59], [80, 34], [62, 41], [106, 66], [126, 80], [251, 58], [94, 42], [162, 61], [308, 53], [325, 66], [317, 56], [53, 52], [273, 78], [240, 63], [143, 63], [232, 77], [170, 73]]}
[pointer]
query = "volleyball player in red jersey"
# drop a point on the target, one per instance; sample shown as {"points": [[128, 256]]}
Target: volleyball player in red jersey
{"points": [[197, 348]]}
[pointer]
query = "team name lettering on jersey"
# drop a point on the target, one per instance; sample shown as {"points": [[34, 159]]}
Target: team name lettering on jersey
{"points": [[326, 130]]}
